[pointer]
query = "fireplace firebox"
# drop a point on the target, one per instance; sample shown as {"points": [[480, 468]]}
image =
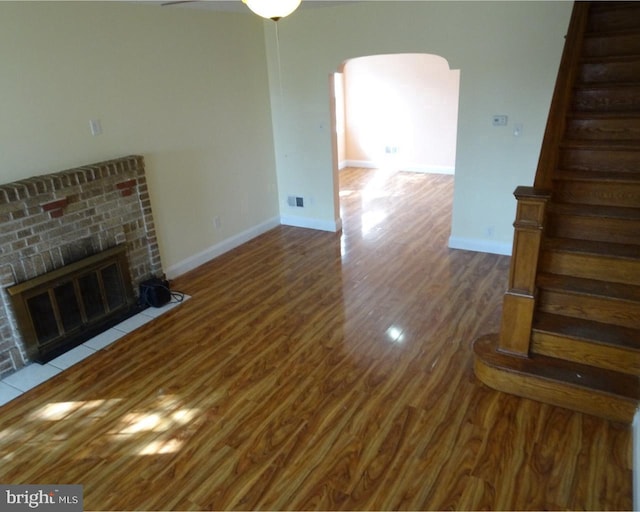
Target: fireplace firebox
{"points": [[63, 308]]}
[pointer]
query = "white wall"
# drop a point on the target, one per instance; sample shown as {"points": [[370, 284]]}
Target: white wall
{"points": [[635, 432], [189, 90], [406, 103], [508, 55], [340, 121], [185, 88]]}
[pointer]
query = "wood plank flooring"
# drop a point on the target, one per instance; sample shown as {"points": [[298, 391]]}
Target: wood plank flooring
{"points": [[314, 370]]}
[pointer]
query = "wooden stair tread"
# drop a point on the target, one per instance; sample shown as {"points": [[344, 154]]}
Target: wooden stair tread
{"points": [[611, 32], [607, 6], [601, 392], [611, 250], [607, 41], [593, 287], [589, 210], [598, 115], [604, 176], [614, 23], [606, 59], [611, 69], [580, 86], [576, 374], [623, 144], [587, 330], [598, 188], [621, 32], [600, 145]]}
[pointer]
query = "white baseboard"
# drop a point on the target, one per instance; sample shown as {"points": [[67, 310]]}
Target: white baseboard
{"points": [[431, 169], [367, 164], [220, 248], [480, 245], [636, 461], [306, 222], [427, 169]]}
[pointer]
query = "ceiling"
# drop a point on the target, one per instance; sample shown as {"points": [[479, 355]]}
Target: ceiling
{"points": [[236, 5]]}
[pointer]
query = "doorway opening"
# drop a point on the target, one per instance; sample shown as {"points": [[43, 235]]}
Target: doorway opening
{"points": [[392, 113]]}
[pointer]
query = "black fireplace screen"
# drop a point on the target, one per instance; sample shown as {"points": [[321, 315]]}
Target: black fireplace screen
{"points": [[61, 309]]}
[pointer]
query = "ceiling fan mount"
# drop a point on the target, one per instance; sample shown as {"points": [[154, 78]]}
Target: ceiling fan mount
{"points": [[270, 9]]}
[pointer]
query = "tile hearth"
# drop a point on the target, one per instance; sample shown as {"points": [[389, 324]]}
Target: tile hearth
{"points": [[31, 376]]}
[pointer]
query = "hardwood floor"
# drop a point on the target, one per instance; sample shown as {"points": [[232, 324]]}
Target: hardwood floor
{"points": [[311, 370]]}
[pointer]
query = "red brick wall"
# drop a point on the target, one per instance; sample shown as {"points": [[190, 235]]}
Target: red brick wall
{"points": [[49, 221]]}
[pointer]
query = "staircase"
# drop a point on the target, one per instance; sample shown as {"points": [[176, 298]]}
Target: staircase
{"points": [[570, 333]]}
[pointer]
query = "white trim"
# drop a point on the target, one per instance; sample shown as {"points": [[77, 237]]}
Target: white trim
{"points": [[368, 164], [218, 249], [480, 245], [430, 169], [427, 169], [306, 222], [636, 461]]}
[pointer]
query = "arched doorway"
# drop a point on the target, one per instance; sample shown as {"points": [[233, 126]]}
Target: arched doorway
{"points": [[397, 111]]}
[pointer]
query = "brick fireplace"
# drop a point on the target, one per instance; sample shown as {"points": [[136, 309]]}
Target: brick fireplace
{"points": [[53, 220]]}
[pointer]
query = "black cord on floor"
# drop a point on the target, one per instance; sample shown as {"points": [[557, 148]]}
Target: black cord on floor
{"points": [[176, 297]]}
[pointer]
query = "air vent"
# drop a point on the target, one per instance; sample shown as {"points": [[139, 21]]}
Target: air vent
{"points": [[295, 201]]}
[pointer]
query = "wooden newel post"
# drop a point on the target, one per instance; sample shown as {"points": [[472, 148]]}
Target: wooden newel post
{"points": [[519, 300]]}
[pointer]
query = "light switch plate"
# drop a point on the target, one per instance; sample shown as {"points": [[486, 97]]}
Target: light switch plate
{"points": [[499, 120]]}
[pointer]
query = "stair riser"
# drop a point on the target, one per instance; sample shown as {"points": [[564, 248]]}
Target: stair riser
{"points": [[604, 129], [597, 160], [597, 229], [588, 266], [606, 99], [598, 309], [616, 71], [612, 45], [614, 19], [585, 352], [598, 193]]}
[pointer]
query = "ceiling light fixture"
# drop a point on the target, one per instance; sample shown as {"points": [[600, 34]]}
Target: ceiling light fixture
{"points": [[272, 9]]}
